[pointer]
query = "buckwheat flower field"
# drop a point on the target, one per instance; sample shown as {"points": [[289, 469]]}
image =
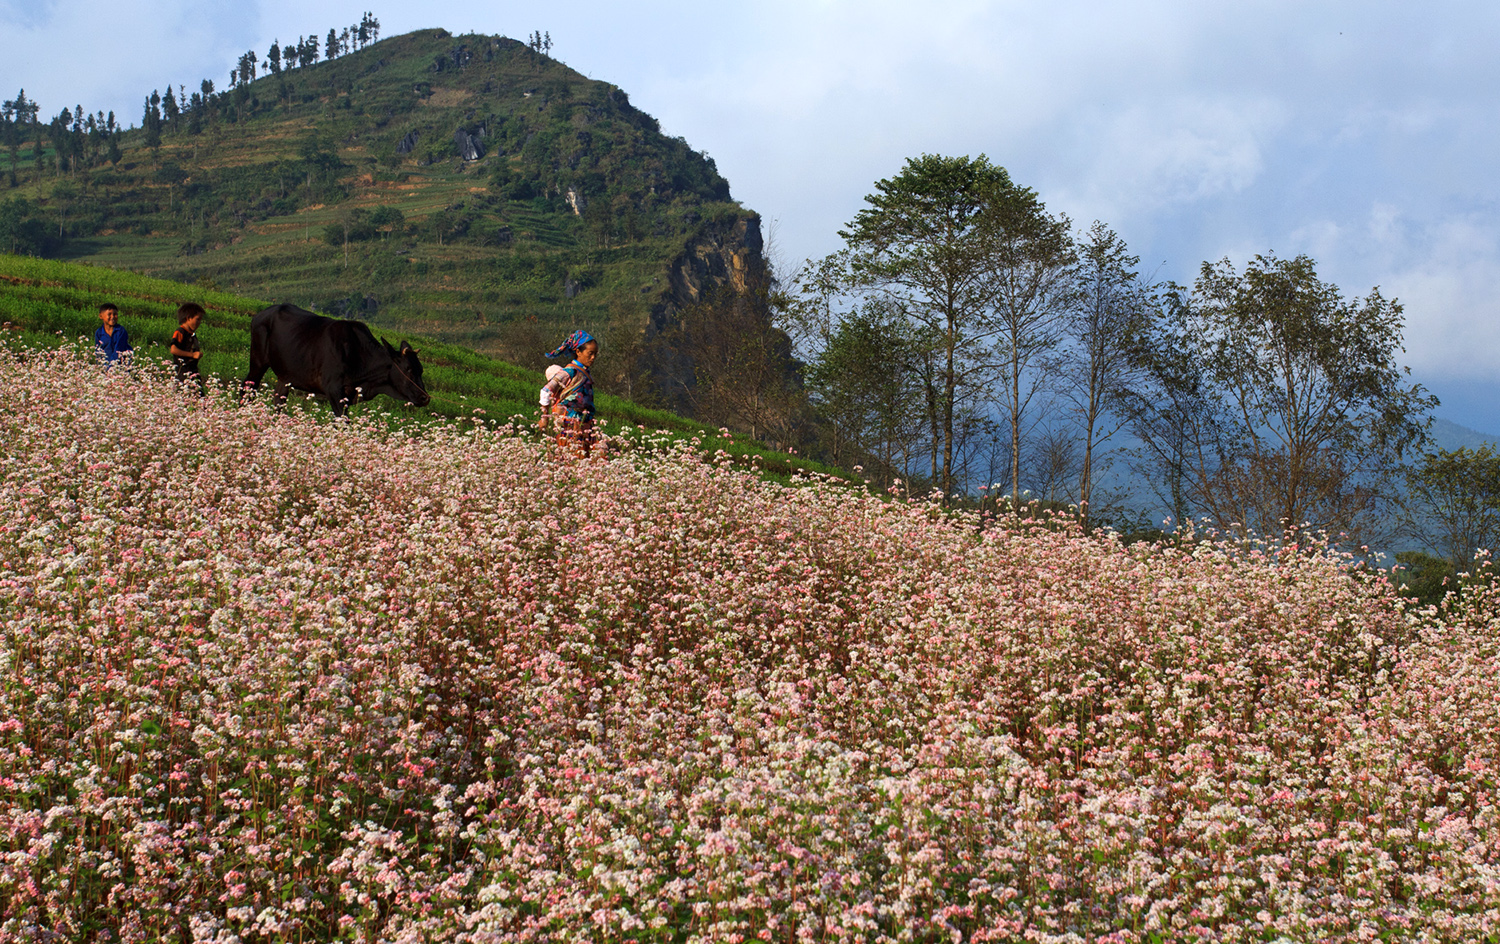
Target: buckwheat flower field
{"points": [[267, 678]]}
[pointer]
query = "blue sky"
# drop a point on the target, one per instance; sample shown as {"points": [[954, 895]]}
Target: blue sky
{"points": [[1363, 134]]}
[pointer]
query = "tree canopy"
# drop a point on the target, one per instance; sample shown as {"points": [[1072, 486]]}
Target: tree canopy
{"points": [[1306, 414], [966, 254]]}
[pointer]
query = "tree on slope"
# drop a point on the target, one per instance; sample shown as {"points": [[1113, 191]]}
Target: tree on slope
{"points": [[20, 119], [1453, 503], [1310, 414], [965, 254], [1112, 314], [866, 385]]}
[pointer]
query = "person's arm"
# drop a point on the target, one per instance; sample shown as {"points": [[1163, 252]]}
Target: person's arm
{"points": [[181, 351], [124, 344]]}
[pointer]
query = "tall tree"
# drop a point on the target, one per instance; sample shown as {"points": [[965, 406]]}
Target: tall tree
{"points": [[1168, 409], [331, 45], [169, 109], [58, 132], [21, 115], [1311, 413], [273, 57], [151, 121], [867, 388], [1112, 315], [1032, 262], [962, 251], [1453, 503]]}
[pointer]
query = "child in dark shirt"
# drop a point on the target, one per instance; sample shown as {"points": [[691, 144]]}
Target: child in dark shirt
{"points": [[185, 349]]}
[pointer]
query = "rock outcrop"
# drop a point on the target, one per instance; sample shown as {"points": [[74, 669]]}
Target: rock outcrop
{"points": [[723, 254], [470, 147], [721, 265]]}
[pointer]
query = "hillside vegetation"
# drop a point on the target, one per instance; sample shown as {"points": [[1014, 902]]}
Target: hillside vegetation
{"points": [[268, 678], [48, 303], [467, 188]]}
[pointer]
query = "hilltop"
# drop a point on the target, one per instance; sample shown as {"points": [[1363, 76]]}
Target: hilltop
{"points": [[466, 188]]}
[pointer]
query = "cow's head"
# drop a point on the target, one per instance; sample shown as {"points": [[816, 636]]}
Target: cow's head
{"points": [[406, 374]]}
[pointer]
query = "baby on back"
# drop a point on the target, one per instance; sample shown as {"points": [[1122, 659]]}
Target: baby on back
{"points": [[553, 372]]}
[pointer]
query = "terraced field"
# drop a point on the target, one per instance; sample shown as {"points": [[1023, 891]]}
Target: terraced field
{"points": [[50, 303]]}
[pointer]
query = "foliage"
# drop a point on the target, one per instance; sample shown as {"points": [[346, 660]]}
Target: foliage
{"points": [[1424, 578], [740, 372], [976, 262], [22, 231], [1113, 315], [1453, 503], [1300, 414], [867, 388], [280, 679]]}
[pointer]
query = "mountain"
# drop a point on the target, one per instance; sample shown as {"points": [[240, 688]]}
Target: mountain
{"points": [[468, 188], [1449, 435]]}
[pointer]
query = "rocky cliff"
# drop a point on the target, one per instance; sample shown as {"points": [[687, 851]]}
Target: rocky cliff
{"points": [[723, 255], [714, 314]]}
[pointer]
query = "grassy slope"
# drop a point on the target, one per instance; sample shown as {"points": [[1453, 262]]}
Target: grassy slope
{"points": [[45, 300], [245, 218]]}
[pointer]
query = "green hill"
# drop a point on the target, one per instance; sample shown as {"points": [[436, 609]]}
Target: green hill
{"points": [[45, 302], [466, 188]]}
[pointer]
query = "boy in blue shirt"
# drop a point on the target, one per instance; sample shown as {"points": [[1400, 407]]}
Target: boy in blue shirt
{"points": [[111, 339]]}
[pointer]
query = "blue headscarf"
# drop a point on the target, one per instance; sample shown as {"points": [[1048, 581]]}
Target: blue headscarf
{"points": [[575, 341]]}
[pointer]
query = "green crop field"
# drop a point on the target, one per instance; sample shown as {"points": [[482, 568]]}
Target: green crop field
{"points": [[46, 303]]}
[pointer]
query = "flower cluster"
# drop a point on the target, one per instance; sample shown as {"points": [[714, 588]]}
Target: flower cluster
{"points": [[268, 678]]}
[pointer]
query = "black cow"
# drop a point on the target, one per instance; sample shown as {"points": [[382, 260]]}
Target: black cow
{"points": [[340, 360]]}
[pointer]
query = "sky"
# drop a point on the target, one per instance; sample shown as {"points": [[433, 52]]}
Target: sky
{"points": [[1363, 134]]}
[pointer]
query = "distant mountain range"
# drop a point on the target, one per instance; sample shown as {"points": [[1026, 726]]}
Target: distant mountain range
{"points": [[1450, 435]]}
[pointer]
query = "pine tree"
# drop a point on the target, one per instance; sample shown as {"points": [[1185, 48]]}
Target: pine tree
{"points": [[151, 121], [21, 115], [169, 109]]}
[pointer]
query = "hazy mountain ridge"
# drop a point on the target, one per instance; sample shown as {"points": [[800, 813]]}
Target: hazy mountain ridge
{"points": [[1447, 434]]}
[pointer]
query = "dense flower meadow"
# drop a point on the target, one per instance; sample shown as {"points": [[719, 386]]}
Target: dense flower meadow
{"points": [[266, 678]]}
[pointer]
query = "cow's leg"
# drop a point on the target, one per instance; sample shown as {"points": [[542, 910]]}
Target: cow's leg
{"points": [[341, 394], [281, 391], [252, 380]]}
